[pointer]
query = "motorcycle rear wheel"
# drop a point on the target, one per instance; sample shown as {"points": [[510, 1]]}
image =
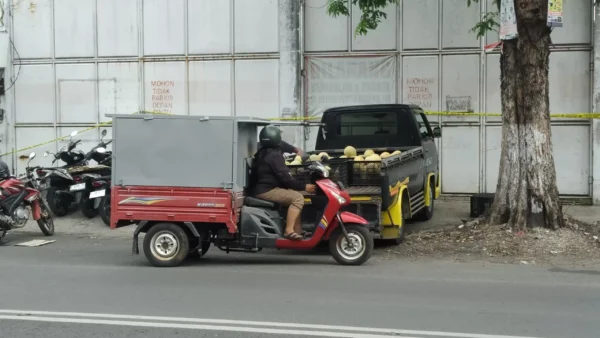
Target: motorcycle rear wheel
{"points": [[87, 205], [58, 204], [46, 223], [105, 209]]}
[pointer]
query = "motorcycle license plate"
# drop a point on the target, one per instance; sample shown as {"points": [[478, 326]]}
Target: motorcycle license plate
{"points": [[98, 193], [77, 187]]}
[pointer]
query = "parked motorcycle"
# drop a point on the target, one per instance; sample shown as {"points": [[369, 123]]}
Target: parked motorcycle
{"points": [[66, 185], [19, 199], [88, 204], [101, 197]]}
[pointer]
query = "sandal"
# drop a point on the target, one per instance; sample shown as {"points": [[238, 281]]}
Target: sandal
{"points": [[293, 236]]}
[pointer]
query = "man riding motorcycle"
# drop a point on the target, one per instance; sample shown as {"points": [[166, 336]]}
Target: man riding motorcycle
{"points": [[273, 181]]}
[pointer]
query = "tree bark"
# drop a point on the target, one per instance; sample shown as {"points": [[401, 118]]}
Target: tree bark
{"points": [[526, 194]]}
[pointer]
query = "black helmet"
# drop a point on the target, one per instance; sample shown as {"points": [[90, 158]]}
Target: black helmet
{"points": [[4, 171], [270, 136]]}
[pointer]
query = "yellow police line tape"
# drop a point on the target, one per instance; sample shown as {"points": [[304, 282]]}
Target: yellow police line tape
{"points": [[576, 116]]}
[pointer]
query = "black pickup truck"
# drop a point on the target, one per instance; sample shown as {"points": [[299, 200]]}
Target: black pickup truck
{"points": [[390, 191]]}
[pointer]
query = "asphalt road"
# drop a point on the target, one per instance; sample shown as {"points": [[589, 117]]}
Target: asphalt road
{"points": [[83, 288]]}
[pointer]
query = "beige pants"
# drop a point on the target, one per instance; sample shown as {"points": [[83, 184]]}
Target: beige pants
{"points": [[284, 197]]}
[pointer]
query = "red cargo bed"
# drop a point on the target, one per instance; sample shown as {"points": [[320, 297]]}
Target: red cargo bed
{"points": [[173, 204]]}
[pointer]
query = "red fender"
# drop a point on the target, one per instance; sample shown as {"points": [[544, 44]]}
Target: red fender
{"points": [[348, 217], [36, 210]]}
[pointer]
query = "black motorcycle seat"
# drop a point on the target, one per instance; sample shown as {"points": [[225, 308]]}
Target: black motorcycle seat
{"points": [[259, 203]]}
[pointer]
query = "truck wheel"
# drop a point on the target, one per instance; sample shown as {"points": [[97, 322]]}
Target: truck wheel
{"points": [[427, 212], [361, 249], [166, 245], [401, 230], [104, 209]]}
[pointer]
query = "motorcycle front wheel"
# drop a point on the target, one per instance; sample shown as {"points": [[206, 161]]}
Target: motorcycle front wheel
{"points": [[87, 205], [45, 222], [57, 202]]}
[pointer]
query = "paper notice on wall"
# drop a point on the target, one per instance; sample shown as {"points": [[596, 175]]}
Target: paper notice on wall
{"points": [[344, 81], [508, 20], [555, 13]]}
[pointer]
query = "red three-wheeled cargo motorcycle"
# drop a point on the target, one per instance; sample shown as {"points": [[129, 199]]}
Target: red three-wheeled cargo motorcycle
{"points": [[186, 193]]}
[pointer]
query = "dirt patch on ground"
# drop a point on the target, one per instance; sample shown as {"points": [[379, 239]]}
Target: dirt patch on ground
{"points": [[578, 243]]}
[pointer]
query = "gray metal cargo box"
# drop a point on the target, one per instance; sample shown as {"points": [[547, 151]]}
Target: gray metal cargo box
{"points": [[182, 151]]}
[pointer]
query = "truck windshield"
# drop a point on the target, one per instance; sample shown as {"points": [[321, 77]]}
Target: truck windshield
{"points": [[362, 124]]}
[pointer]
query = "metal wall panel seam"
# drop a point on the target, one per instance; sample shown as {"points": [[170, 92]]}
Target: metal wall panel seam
{"points": [[141, 67], [399, 30], [54, 80], [186, 46], [482, 80], [302, 72], [591, 103], [97, 82], [232, 49], [11, 141], [350, 29], [151, 59], [433, 52]]}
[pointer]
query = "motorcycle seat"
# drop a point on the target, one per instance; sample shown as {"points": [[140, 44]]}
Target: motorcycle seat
{"points": [[259, 203]]}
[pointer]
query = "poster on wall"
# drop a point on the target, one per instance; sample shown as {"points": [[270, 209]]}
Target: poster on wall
{"points": [[345, 81], [555, 13], [508, 20]]}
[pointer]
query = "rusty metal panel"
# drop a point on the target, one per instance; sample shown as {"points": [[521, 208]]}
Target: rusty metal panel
{"points": [[32, 29]]}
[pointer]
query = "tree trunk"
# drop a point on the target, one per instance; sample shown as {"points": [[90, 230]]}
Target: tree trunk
{"points": [[526, 194]]}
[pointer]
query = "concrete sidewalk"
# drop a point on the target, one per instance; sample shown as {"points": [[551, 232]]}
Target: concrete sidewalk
{"points": [[448, 213]]}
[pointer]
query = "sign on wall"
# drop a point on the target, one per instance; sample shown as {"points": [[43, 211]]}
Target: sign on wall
{"points": [[344, 81]]}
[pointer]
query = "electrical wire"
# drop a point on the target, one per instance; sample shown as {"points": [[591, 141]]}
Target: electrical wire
{"points": [[19, 70]]}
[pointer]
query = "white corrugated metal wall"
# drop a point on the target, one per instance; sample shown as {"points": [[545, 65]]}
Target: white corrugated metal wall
{"points": [[433, 44], [81, 59]]}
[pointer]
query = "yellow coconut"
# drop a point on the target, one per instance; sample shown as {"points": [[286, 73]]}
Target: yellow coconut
{"points": [[287, 163], [296, 163], [373, 157], [314, 157], [298, 159], [385, 154], [357, 159], [396, 152], [350, 151], [368, 153], [343, 156]]}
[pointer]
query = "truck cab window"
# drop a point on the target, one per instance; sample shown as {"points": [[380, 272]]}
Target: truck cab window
{"points": [[424, 127], [362, 124]]}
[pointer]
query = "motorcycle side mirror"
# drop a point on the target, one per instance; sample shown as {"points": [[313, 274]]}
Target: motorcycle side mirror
{"points": [[75, 132], [104, 133], [32, 156], [101, 150], [46, 154]]}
